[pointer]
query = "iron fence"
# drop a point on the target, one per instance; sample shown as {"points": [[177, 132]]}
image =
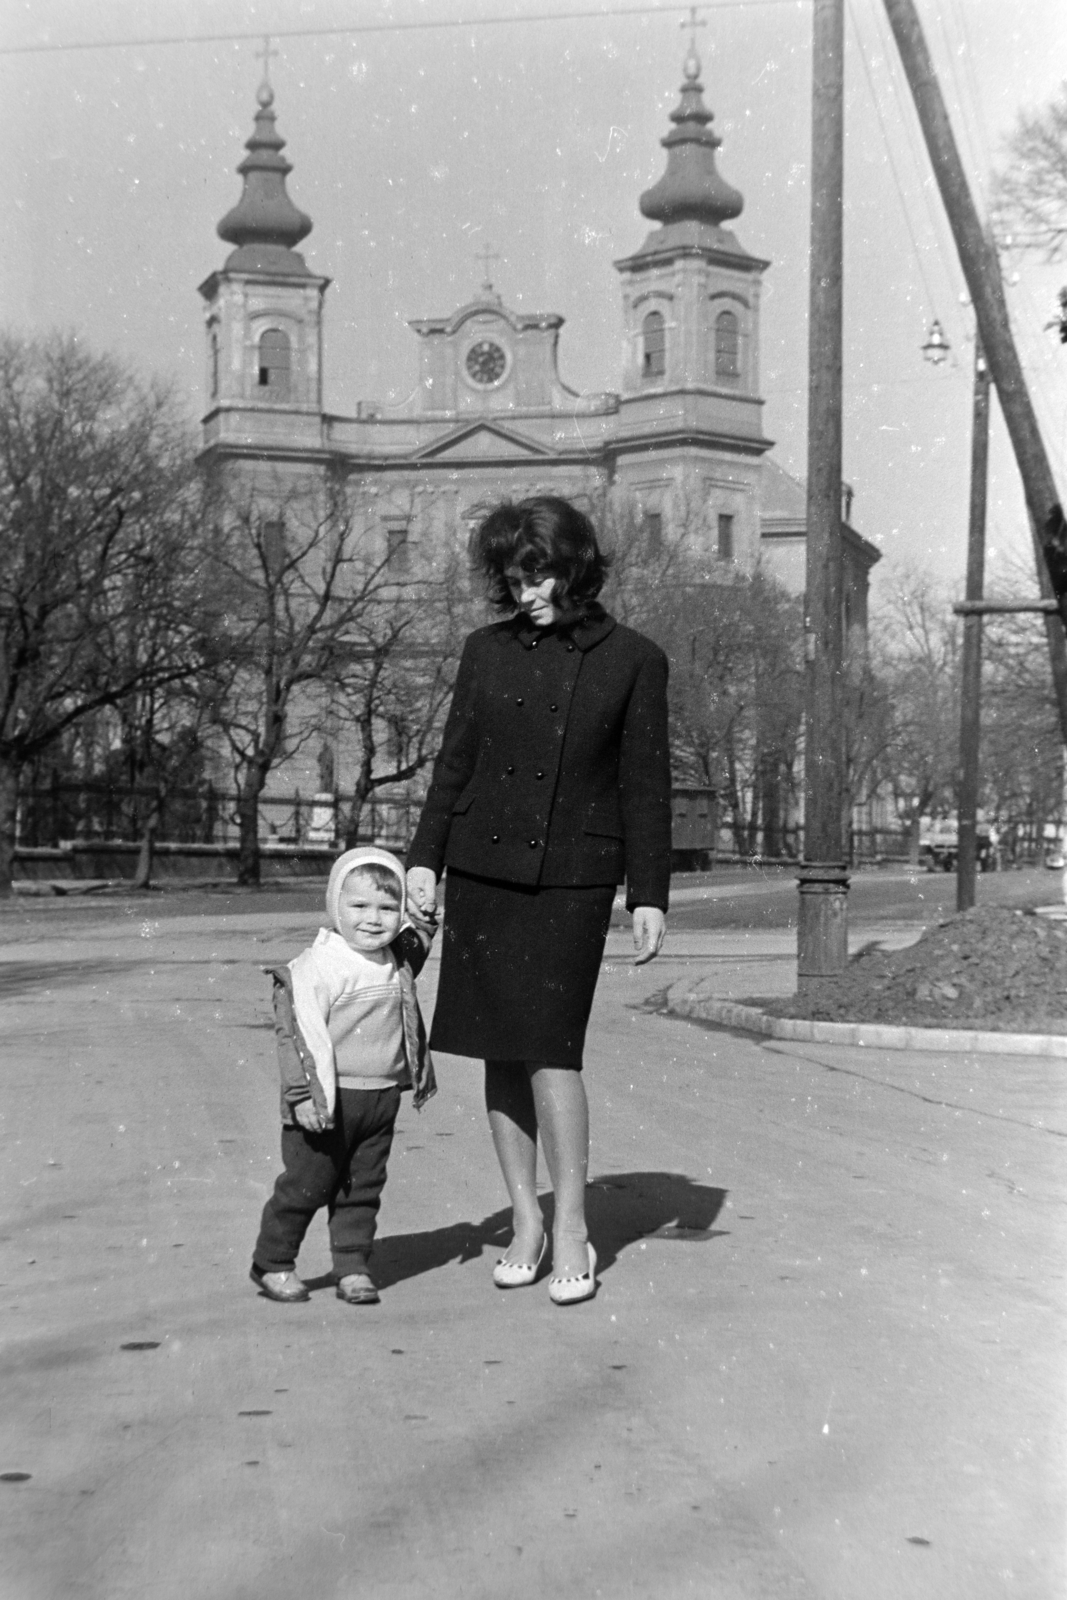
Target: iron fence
{"points": [[112, 813], [99, 812]]}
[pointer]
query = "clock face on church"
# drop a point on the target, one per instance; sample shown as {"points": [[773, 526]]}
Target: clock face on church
{"points": [[486, 363]]}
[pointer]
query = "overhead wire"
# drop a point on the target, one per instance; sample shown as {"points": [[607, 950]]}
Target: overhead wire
{"points": [[970, 139], [916, 147], [892, 160], [1035, 352], [425, 25], [1039, 356], [968, 59], [606, 13], [975, 138]]}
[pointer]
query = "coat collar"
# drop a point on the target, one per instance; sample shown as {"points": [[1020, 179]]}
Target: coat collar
{"points": [[593, 625]]}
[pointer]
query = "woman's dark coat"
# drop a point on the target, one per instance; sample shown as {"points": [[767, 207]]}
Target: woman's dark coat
{"points": [[554, 768]]}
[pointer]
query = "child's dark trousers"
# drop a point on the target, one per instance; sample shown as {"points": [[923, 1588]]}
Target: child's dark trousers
{"points": [[343, 1170]]}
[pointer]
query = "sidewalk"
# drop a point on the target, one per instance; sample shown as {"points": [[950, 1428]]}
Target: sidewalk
{"points": [[825, 1358]]}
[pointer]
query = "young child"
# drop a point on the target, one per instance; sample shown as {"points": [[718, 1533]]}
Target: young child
{"points": [[350, 1038]]}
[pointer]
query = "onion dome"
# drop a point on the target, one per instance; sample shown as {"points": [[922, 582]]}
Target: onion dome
{"points": [[265, 224], [691, 189]]}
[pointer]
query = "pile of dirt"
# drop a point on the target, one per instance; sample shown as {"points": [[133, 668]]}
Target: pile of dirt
{"points": [[990, 968]]}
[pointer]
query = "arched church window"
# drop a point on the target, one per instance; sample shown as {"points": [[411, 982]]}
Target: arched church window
{"points": [[727, 345], [654, 354], [274, 362]]}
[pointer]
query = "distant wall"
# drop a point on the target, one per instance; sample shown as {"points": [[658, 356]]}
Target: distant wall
{"points": [[118, 862]]}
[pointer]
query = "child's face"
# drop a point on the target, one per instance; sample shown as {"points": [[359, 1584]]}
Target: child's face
{"points": [[368, 918]]}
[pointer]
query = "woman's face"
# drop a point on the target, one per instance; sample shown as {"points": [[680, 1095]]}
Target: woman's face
{"points": [[532, 593]]}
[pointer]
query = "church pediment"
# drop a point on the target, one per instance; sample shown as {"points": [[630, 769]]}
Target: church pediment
{"points": [[483, 441], [487, 309]]}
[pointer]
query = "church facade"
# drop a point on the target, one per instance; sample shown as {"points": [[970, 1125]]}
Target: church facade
{"points": [[679, 441]]}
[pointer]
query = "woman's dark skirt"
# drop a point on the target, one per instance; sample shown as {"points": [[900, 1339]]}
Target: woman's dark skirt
{"points": [[518, 969]]}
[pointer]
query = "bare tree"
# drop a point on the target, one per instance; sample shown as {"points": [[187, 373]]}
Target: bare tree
{"points": [[647, 551], [735, 694], [1022, 758], [158, 748], [913, 724], [869, 730], [396, 687], [733, 639], [304, 599], [1030, 191], [95, 469], [916, 645]]}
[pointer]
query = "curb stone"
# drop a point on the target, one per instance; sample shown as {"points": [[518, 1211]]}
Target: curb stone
{"points": [[684, 999]]}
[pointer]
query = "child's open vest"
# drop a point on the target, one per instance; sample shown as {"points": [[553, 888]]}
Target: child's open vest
{"points": [[296, 1063]]}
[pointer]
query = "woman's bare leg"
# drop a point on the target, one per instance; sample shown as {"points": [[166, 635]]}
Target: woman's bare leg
{"points": [[563, 1119], [509, 1101]]}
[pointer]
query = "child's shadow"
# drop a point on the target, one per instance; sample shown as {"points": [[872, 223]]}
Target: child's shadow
{"points": [[622, 1207]]}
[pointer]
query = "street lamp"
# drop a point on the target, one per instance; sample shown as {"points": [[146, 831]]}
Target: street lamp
{"points": [[937, 347]]}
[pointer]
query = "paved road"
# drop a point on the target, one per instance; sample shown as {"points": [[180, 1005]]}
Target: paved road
{"points": [[825, 1359]]}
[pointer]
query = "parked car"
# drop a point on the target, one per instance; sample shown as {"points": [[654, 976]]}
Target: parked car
{"points": [[939, 842]]}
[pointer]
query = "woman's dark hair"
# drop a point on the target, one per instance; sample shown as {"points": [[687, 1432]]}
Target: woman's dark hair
{"points": [[542, 534]]}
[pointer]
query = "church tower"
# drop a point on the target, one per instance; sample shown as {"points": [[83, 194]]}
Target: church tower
{"points": [[691, 293], [264, 310], [690, 388]]}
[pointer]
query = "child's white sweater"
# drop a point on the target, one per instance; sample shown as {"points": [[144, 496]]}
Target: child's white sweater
{"points": [[349, 1010]]}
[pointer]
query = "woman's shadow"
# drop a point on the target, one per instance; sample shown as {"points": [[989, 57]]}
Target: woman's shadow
{"points": [[622, 1207]]}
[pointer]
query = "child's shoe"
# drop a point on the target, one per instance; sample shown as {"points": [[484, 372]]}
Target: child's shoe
{"points": [[358, 1289], [283, 1286]]}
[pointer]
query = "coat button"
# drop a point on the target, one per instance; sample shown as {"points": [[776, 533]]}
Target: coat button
{"points": [[538, 774], [518, 699], [510, 771], [553, 706], [496, 838], [533, 844]]}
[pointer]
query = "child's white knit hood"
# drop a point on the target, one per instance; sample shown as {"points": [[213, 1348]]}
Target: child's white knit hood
{"points": [[352, 861]]}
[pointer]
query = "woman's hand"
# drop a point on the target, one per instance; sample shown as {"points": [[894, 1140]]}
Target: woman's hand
{"points": [[422, 889], [650, 925]]}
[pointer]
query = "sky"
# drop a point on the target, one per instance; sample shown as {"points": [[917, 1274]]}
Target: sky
{"points": [[431, 130]]}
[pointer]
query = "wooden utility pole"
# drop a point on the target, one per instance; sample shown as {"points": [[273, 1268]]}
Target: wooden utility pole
{"points": [[971, 686], [982, 272], [822, 928]]}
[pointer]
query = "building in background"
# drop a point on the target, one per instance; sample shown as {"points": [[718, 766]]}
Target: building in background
{"points": [[674, 447], [680, 439]]}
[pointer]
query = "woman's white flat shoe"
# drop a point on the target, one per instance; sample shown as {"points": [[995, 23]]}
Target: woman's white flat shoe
{"points": [[569, 1291], [519, 1274]]}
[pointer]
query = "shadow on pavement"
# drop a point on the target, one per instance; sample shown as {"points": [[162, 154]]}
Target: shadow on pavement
{"points": [[26, 977], [622, 1207]]}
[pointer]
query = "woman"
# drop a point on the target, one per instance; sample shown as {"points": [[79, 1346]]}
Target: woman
{"points": [[552, 784]]}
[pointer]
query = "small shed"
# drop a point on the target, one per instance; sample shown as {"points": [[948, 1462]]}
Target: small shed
{"points": [[694, 826]]}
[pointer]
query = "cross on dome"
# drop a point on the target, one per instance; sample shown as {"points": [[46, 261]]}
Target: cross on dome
{"points": [[485, 255], [691, 65], [265, 93]]}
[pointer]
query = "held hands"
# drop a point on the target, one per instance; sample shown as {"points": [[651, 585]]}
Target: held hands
{"points": [[309, 1116], [650, 925], [422, 891]]}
